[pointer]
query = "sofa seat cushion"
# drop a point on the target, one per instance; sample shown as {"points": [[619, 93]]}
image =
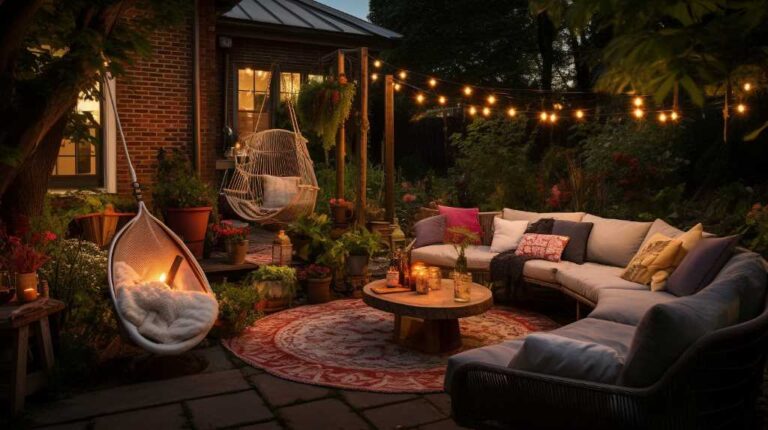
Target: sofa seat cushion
{"points": [[627, 306], [588, 279], [498, 355], [550, 354], [614, 241], [543, 270], [614, 335], [516, 215], [444, 255]]}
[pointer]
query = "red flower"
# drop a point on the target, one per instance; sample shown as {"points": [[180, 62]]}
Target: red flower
{"points": [[409, 198]]}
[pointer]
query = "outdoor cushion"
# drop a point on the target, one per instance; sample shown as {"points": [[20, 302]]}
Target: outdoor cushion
{"points": [[461, 217], [627, 306], [551, 354], [668, 329], [746, 272], [507, 234], [614, 241], [498, 355], [516, 215], [543, 270], [659, 253], [545, 246], [576, 250], [661, 226], [588, 279], [444, 255], [429, 231], [701, 265], [688, 241], [278, 191], [614, 335]]}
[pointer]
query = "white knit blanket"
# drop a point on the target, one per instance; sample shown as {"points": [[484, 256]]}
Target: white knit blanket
{"points": [[160, 313]]}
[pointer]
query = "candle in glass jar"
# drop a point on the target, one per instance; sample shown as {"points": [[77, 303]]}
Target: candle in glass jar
{"points": [[422, 282], [29, 295], [434, 278]]}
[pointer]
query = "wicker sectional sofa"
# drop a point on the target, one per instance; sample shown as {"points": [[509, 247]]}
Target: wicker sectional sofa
{"points": [[679, 362]]}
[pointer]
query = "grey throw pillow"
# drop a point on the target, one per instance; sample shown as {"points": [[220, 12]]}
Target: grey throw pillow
{"points": [[429, 231], [551, 354], [701, 265], [576, 250]]}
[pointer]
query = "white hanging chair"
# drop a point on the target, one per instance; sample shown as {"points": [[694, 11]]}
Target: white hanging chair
{"points": [[150, 248], [274, 177]]}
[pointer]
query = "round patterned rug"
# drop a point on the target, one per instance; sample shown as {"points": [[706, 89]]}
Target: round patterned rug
{"points": [[347, 344]]}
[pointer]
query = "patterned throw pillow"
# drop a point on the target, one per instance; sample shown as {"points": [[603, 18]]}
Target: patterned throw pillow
{"points": [[658, 254], [543, 246]]}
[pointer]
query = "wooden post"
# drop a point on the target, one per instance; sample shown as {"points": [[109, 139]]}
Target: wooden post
{"points": [[362, 149], [340, 137], [389, 147]]}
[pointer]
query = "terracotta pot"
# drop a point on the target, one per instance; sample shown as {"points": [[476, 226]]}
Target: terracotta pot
{"points": [[275, 296], [25, 281], [319, 290], [341, 214], [357, 265], [237, 252], [190, 225]]}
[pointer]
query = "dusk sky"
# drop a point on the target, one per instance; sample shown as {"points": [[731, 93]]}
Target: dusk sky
{"points": [[353, 7]]}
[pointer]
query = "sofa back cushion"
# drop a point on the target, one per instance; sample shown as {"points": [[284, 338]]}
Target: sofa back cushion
{"points": [[746, 273], [555, 355], [429, 231], [701, 265], [516, 215], [614, 241], [576, 250], [507, 234], [661, 226]]}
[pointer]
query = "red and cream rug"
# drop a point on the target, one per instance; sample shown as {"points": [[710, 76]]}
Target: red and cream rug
{"points": [[347, 344]]}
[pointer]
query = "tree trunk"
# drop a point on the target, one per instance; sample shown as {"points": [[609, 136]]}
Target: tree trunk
{"points": [[583, 75], [546, 37], [25, 197]]}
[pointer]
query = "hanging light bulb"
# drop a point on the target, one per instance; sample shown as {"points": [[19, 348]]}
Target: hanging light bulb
{"points": [[741, 108], [747, 87], [374, 76], [511, 112], [397, 86], [674, 116], [543, 116], [441, 100], [638, 101], [491, 99], [472, 110], [638, 113], [486, 111], [558, 106], [403, 74], [420, 98], [377, 64], [432, 82], [552, 117], [579, 114], [467, 90], [662, 117]]}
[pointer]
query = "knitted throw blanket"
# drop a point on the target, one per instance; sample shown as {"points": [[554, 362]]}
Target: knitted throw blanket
{"points": [[506, 267]]}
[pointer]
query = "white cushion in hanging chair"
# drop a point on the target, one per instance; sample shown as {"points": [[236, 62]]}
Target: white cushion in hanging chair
{"points": [[278, 191]]}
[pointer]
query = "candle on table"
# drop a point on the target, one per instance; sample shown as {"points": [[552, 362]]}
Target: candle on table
{"points": [[29, 295]]}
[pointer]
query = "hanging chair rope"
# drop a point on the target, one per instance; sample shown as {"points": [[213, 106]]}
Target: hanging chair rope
{"points": [[134, 180]]}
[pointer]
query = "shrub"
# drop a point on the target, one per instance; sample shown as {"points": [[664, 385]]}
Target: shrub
{"points": [[175, 184], [236, 307]]}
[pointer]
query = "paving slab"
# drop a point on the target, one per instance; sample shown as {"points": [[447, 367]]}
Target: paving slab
{"points": [[271, 425], [80, 425], [250, 371], [135, 396], [280, 392], [164, 417], [448, 424], [364, 399], [402, 415], [228, 410], [441, 401], [216, 357], [321, 415]]}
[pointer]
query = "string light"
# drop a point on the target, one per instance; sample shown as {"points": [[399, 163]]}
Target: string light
{"points": [[674, 116], [441, 100], [420, 98], [741, 108], [397, 86], [402, 74], [374, 76], [491, 99], [662, 117], [638, 101], [486, 111], [579, 114], [543, 116], [552, 117], [467, 90], [638, 113], [511, 112], [747, 87], [432, 82], [558, 106], [472, 110], [377, 64]]}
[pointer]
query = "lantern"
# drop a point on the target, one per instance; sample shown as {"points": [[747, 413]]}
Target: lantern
{"points": [[282, 250]]}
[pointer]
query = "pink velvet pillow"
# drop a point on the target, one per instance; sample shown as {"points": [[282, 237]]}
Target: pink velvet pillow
{"points": [[544, 246], [461, 217]]}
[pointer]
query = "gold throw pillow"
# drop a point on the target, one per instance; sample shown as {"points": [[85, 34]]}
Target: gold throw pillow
{"points": [[659, 253]]}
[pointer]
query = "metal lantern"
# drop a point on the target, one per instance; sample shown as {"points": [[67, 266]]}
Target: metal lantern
{"points": [[282, 249]]}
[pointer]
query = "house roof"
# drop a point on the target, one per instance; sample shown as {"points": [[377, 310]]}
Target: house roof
{"points": [[308, 16]]}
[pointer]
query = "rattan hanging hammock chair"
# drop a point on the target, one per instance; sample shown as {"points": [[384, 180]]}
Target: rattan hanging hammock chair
{"points": [[274, 178], [154, 253]]}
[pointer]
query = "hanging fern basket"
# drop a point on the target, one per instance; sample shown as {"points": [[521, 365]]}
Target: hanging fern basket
{"points": [[324, 106]]}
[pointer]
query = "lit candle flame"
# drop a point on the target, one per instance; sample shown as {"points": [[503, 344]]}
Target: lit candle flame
{"points": [[162, 277]]}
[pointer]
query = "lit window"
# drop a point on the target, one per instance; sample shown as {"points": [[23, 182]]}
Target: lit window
{"points": [[78, 163], [315, 78], [252, 95], [290, 83]]}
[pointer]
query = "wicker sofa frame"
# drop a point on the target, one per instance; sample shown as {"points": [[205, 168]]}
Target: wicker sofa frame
{"points": [[713, 385]]}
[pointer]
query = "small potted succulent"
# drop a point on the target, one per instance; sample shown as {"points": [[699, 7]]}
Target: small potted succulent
{"points": [[235, 240], [276, 286], [359, 245], [318, 281]]}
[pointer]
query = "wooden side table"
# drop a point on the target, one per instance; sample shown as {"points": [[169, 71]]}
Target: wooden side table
{"points": [[21, 321]]}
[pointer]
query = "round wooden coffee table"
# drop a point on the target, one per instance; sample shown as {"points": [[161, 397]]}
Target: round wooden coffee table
{"points": [[428, 322]]}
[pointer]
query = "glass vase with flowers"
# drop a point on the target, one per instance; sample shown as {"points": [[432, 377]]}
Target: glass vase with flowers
{"points": [[461, 238]]}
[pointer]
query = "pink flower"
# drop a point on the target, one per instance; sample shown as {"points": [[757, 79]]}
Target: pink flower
{"points": [[332, 202], [409, 198], [50, 236]]}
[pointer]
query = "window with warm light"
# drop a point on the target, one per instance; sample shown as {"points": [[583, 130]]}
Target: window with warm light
{"points": [[290, 83], [252, 94]]}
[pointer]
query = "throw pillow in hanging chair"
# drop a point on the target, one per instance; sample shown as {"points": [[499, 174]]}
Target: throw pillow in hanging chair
{"points": [[278, 191]]}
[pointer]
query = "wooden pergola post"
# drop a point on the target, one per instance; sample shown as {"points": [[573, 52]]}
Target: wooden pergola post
{"points": [[362, 149], [389, 147], [340, 137]]}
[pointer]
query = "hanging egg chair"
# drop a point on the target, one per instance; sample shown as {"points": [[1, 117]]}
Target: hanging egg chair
{"points": [[161, 296]]}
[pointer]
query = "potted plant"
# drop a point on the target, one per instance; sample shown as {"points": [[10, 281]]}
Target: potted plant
{"points": [[24, 258], [318, 281], [359, 245], [276, 286], [237, 308], [324, 106], [310, 235], [184, 199], [235, 240], [342, 211]]}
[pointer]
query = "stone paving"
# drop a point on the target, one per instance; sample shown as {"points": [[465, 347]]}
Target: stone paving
{"points": [[232, 395]]}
